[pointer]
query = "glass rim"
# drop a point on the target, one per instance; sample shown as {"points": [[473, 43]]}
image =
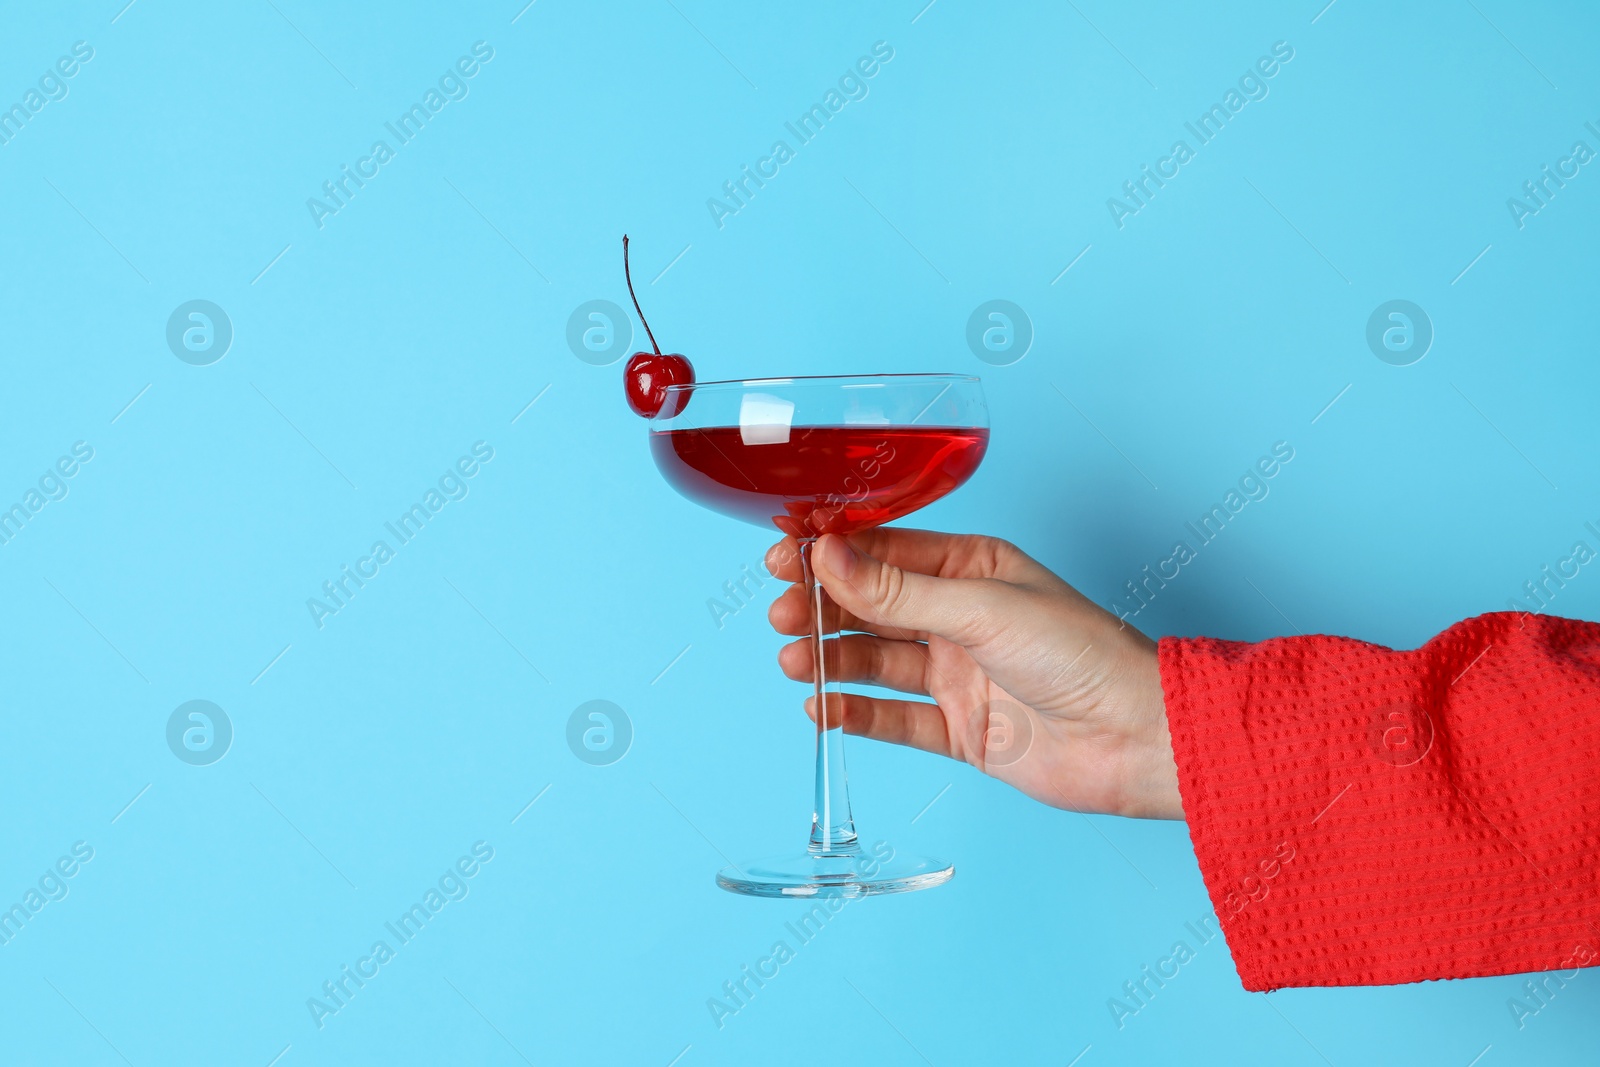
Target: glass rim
{"points": [[823, 378]]}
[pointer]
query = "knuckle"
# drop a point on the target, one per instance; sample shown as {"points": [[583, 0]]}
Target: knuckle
{"points": [[988, 556], [892, 595], [877, 662]]}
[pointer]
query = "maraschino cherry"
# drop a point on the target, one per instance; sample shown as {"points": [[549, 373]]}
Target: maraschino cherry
{"points": [[648, 374]]}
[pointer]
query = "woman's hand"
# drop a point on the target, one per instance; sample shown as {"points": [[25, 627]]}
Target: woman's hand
{"points": [[1031, 682]]}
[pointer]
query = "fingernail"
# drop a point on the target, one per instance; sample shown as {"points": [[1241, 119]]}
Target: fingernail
{"points": [[838, 556]]}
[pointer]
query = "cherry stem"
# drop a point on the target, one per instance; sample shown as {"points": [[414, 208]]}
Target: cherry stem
{"points": [[629, 275]]}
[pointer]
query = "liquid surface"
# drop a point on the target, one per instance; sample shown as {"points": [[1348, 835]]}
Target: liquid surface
{"points": [[823, 479]]}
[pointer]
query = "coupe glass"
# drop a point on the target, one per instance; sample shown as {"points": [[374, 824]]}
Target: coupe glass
{"points": [[807, 457]]}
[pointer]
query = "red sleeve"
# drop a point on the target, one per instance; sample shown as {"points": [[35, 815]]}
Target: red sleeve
{"points": [[1364, 816]]}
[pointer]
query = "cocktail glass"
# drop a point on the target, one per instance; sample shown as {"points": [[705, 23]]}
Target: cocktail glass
{"points": [[807, 457]]}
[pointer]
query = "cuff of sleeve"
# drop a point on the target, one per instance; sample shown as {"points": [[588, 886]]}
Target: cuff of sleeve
{"points": [[1190, 719]]}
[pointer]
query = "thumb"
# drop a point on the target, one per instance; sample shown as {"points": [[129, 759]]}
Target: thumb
{"points": [[962, 610]]}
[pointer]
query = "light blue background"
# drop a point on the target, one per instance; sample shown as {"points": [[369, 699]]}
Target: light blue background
{"points": [[429, 312]]}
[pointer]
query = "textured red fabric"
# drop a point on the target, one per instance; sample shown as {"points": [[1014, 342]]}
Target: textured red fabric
{"points": [[1365, 816]]}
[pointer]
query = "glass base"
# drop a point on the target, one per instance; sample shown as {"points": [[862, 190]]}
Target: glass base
{"points": [[856, 874]]}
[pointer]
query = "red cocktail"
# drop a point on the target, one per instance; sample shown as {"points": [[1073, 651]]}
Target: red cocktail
{"points": [[821, 479], [815, 456]]}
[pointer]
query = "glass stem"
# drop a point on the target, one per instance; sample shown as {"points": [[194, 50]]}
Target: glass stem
{"points": [[833, 831]]}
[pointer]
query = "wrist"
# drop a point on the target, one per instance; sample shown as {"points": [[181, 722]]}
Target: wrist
{"points": [[1150, 772]]}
